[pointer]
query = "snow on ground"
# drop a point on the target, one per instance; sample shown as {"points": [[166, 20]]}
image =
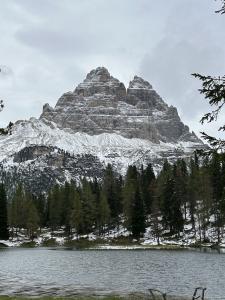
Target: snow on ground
{"points": [[108, 147], [111, 239]]}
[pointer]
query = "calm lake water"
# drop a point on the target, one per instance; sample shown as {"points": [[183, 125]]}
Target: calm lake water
{"points": [[63, 272]]}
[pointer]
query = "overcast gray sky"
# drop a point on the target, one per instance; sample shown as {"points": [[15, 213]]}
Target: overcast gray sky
{"points": [[48, 46]]}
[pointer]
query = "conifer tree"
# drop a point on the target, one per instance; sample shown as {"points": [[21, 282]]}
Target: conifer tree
{"points": [[156, 224], [4, 232], [137, 216], [75, 218], [167, 203], [162, 178], [32, 220], [204, 207], [217, 192], [67, 202], [129, 192], [181, 184], [109, 187], [193, 188], [41, 206], [88, 206], [222, 204], [170, 201], [54, 208], [104, 212], [147, 182], [119, 194], [17, 210], [178, 221]]}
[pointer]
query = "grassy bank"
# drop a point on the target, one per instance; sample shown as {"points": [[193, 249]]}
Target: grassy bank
{"points": [[58, 239], [99, 243], [116, 243]]}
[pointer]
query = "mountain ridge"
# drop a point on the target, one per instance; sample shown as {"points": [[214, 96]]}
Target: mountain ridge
{"points": [[101, 103], [103, 122]]}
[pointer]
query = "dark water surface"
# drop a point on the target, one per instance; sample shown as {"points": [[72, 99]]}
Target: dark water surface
{"points": [[59, 272]]}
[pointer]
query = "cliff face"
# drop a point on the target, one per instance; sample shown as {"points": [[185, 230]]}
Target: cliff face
{"points": [[39, 168], [99, 122], [101, 104]]}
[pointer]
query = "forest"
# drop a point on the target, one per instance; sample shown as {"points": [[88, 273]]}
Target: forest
{"points": [[182, 193]]}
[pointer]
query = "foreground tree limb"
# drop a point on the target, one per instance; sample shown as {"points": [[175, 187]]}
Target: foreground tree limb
{"points": [[213, 89], [222, 9]]}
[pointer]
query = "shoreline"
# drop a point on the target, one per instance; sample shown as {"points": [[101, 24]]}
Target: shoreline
{"points": [[93, 245]]}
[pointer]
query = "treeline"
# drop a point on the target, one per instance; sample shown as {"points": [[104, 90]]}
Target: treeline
{"points": [[182, 193]]}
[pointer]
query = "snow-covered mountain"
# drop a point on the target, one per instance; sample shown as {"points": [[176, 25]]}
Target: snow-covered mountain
{"points": [[101, 104], [100, 122]]}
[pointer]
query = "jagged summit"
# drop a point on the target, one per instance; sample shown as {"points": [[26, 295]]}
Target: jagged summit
{"points": [[139, 83], [99, 74], [101, 104], [99, 81]]}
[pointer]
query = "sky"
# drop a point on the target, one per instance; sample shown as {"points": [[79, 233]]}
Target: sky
{"points": [[48, 46]]}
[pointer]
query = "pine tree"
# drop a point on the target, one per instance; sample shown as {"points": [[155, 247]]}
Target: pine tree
{"points": [[40, 203], [129, 192], [104, 212], [54, 208], [75, 217], [204, 207], [161, 184], [222, 204], [171, 202], [178, 221], [4, 232], [217, 192], [193, 188], [17, 213], [137, 216], [156, 224], [181, 184], [88, 206], [109, 187], [67, 199], [167, 203], [32, 220], [119, 194], [147, 183]]}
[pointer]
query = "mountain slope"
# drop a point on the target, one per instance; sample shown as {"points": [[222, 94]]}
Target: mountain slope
{"points": [[100, 122], [102, 104]]}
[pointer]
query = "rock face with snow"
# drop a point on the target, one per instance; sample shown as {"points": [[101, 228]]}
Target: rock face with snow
{"points": [[40, 168], [99, 122], [101, 104]]}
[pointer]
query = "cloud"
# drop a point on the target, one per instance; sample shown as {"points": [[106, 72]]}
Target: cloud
{"points": [[191, 43], [50, 45], [5, 71]]}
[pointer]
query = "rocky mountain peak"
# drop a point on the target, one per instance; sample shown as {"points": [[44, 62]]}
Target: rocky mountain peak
{"points": [[47, 108], [99, 123], [99, 81], [139, 83], [101, 104], [99, 74]]}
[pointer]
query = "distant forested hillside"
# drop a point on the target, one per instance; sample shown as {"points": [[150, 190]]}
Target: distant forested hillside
{"points": [[181, 196]]}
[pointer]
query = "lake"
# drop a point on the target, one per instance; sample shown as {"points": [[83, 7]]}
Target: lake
{"points": [[44, 271]]}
